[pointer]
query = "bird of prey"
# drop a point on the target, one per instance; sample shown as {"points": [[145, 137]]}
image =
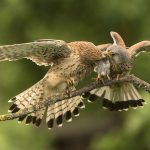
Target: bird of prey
{"points": [[71, 62], [120, 96]]}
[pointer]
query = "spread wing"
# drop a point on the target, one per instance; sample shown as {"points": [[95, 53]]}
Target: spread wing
{"points": [[136, 49], [103, 47], [42, 52]]}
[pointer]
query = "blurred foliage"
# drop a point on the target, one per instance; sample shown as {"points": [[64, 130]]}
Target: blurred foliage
{"points": [[70, 20]]}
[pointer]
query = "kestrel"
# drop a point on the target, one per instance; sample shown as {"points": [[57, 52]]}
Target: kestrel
{"points": [[120, 96], [69, 63]]}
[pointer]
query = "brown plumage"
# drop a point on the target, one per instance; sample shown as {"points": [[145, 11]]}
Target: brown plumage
{"points": [[71, 62]]}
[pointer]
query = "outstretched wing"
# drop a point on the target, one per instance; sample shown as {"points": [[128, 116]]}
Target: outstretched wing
{"points": [[103, 47], [42, 52], [136, 49], [118, 40]]}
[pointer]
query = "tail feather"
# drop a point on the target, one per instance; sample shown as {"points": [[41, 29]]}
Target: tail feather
{"points": [[55, 112], [119, 97], [63, 109], [26, 99]]}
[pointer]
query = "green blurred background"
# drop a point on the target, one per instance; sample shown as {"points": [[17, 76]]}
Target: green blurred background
{"points": [[71, 20]]}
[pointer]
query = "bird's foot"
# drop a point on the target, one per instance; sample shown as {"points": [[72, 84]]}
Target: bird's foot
{"points": [[70, 82], [65, 94], [99, 79], [119, 76], [68, 92]]}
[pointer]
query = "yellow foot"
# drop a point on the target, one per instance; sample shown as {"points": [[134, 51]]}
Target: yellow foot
{"points": [[68, 92], [99, 79], [70, 82], [96, 79]]}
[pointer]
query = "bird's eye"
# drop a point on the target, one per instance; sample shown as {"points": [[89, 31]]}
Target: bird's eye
{"points": [[113, 54]]}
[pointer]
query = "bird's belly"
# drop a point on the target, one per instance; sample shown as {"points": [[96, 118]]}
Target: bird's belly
{"points": [[54, 84], [119, 69]]}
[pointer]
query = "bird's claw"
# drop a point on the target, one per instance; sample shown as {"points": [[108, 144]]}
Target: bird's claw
{"points": [[68, 92], [118, 76], [99, 79], [96, 78], [70, 82]]}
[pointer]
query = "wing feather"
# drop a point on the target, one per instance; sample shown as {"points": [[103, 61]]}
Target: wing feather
{"points": [[42, 52], [103, 47], [136, 49]]}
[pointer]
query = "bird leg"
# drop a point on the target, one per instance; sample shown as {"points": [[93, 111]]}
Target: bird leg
{"points": [[99, 78], [119, 76], [69, 88]]}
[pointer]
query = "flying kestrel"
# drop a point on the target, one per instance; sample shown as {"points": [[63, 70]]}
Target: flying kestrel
{"points": [[120, 96], [71, 62]]}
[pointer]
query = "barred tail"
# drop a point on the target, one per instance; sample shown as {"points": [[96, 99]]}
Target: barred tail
{"points": [[63, 109], [55, 112], [26, 99], [117, 97]]}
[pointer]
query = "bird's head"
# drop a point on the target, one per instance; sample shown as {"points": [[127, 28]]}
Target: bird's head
{"points": [[117, 54]]}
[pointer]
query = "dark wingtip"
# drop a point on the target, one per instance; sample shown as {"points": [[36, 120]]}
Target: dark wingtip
{"points": [[13, 108], [16, 110], [29, 119], [86, 95], [142, 100], [90, 97], [50, 123], [68, 116], [20, 119], [81, 105], [34, 119], [139, 103], [76, 112], [107, 104], [38, 122], [122, 105], [12, 100], [133, 103], [59, 120], [93, 97]]}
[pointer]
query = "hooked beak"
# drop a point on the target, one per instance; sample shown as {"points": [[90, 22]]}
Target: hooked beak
{"points": [[108, 53]]}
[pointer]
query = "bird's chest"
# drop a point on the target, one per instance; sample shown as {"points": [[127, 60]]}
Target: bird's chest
{"points": [[72, 67], [64, 76], [121, 68], [54, 84]]}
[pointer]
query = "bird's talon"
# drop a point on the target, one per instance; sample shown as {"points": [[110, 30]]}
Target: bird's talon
{"points": [[96, 79], [99, 79], [68, 93]]}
